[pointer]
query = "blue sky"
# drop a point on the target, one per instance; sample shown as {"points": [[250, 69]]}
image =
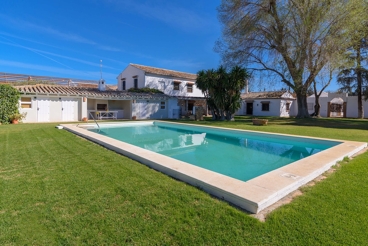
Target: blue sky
{"points": [[65, 38], [68, 38]]}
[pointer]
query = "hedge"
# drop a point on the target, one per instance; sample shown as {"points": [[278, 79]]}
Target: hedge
{"points": [[9, 98]]}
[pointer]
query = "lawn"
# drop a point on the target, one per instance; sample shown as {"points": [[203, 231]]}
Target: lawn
{"points": [[59, 189]]}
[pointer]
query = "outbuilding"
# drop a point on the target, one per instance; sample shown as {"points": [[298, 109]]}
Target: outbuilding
{"points": [[273, 103], [56, 103]]}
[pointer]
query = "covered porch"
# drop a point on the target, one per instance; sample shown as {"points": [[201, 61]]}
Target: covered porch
{"points": [[187, 105], [102, 109]]}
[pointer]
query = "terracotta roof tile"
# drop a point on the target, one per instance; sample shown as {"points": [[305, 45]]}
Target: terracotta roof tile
{"points": [[166, 72], [264, 94], [83, 91]]}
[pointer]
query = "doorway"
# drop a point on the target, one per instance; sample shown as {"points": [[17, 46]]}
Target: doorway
{"points": [[249, 108]]}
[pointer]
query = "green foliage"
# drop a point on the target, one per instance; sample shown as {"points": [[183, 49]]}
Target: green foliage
{"points": [[355, 76], [222, 89], [9, 98], [145, 90], [17, 116]]}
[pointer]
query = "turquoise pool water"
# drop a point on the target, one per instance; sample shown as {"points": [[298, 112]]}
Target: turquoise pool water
{"points": [[238, 154]]}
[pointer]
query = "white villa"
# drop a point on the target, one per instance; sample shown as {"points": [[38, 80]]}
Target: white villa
{"points": [[57, 103], [179, 86]]}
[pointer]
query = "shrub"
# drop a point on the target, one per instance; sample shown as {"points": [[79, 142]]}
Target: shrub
{"points": [[9, 98], [145, 90]]}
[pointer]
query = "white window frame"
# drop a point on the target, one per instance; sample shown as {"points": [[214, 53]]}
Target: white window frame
{"points": [[26, 103], [191, 88], [264, 103], [176, 83]]}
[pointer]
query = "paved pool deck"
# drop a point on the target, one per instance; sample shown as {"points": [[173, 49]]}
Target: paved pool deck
{"points": [[253, 195]]}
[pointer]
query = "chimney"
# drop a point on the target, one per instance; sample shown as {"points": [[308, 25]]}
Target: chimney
{"points": [[101, 85], [246, 87]]}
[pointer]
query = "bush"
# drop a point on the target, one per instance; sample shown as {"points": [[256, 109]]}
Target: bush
{"points": [[9, 97], [145, 90]]}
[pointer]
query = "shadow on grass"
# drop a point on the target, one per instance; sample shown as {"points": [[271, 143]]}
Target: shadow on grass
{"points": [[335, 123]]}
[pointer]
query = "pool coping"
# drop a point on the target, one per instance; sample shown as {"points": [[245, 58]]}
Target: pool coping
{"points": [[253, 195]]}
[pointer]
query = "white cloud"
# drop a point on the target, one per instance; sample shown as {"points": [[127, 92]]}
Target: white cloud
{"points": [[109, 48], [21, 24], [182, 18], [72, 37], [60, 48], [77, 74], [190, 65]]}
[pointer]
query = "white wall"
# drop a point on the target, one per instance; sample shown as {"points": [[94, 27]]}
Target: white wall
{"points": [[31, 112], [351, 104], [55, 111], [293, 108], [166, 84], [352, 107], [323, 102], [274, 108], [283, 111], [160, 82], [128, 74], [83, 108], [149, 109]]}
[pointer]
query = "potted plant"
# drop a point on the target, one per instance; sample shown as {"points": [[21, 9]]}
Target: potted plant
{"points": [[134, 117], [17, 117]]}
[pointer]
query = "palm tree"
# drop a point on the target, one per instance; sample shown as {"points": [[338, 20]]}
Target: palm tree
{"points": [[222, 90]]}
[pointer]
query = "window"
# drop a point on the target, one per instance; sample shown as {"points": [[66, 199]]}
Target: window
{"points": [[265, 106], [163, 105], [123, 84], [135, 78], [26, 102], [287, 106], [189, 88], [102, 107], [176, 85]]}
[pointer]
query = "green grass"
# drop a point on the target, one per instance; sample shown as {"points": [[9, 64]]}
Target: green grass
{"points": [[59, 189]]}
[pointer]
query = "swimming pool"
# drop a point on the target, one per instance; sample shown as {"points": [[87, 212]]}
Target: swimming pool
{"points": [[240, 155], [252, 194]]}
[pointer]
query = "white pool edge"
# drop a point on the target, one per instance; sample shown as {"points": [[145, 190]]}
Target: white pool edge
{"points": [[253, 195]]}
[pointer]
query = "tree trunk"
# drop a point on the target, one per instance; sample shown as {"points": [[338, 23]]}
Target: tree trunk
{"points": [[222, 115], [359, 82], [317, 108], [213, 115], [301, 99]]}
